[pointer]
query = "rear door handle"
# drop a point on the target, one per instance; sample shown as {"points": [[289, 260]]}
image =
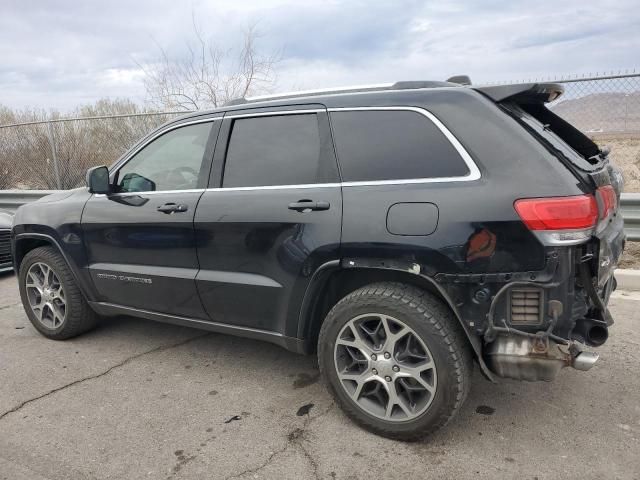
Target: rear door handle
{"points": [[172, 208], [309, 205]]}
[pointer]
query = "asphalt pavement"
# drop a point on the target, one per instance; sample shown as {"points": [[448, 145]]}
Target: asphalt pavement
{"points": [[136, 399]]}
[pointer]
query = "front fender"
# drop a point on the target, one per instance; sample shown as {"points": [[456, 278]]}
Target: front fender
{"points": [[55, 220]]}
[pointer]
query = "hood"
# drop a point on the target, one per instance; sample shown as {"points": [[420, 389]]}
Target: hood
{"points": [[57, 196]]}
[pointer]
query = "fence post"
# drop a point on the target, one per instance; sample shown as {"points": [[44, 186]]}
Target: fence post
{"points": [[54, 155]]}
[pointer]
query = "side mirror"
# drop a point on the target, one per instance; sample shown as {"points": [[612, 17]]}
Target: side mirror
{"points": [[98, 180], [134, 182]]}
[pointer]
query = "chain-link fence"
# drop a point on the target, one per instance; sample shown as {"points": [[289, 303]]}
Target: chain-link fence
{"points": [[56, 154], [607, 109]]}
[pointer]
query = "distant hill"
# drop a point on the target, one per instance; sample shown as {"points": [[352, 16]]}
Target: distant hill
{"points": [[612, 112]]}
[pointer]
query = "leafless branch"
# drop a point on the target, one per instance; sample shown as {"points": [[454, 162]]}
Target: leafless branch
{"points": [[208, 76]]}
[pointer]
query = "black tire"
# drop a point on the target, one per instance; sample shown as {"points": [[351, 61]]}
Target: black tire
{"points": [[435, 325], [79, 316]]}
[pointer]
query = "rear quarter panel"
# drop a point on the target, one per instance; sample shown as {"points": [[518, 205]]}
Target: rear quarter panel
{"points": [[512, 164]]}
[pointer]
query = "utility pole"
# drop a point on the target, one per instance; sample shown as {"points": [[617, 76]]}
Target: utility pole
{"points": [[54, 155]]}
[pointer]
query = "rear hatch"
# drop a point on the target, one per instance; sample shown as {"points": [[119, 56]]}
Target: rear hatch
{"points": [[591, 164]]}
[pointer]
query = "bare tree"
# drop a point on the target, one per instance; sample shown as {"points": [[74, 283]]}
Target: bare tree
{"points": [[26, 153], [209, 76], [7, 173]]}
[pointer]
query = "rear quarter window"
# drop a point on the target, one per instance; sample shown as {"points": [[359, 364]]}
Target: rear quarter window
{"points": [[377, 145]]}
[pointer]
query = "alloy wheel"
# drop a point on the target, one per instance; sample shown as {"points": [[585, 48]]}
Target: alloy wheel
{"points": [[46, 295], [385, 368]]}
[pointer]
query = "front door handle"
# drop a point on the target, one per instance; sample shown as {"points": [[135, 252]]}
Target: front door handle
{"points": [[172, 208], [309, 205]]}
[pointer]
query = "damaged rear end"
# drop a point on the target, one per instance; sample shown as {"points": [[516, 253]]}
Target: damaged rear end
{"points": [[539, 324]]}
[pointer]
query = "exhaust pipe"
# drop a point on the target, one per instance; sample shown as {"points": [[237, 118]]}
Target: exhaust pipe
{"points": [[591, 332], [585, 360], [597, 335], [535, 359]]}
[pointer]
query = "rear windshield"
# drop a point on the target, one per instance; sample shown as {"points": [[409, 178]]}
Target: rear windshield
{"points": [[558, 135]]}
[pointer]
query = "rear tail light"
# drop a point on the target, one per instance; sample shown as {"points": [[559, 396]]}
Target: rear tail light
{"points": [[578, 212], [608, 200]]}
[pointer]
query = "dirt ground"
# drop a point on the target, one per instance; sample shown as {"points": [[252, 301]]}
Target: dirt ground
{"points": [[631, 256], [625, 153]]}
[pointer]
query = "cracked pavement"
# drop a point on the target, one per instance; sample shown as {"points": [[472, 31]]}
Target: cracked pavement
{"points": [[135, 399]]}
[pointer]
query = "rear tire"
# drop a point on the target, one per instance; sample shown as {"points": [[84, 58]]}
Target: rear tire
{"points": [[395, 359], [50, 296]]}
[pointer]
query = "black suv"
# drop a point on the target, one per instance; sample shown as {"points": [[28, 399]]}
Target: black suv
{"points": [[402, 231]]}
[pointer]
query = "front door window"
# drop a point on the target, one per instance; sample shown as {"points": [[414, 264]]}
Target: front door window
{"points": [[173, 161]]}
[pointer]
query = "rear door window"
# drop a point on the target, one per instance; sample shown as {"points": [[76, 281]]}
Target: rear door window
{"points": [[278, 150], [393, 145]]}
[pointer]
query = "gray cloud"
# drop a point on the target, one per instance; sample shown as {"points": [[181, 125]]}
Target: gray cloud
{"points": [[60, 54], [347, 31]]}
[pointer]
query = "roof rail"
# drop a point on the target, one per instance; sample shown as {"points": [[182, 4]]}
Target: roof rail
{"points": [[404, 85], [302, 93]]}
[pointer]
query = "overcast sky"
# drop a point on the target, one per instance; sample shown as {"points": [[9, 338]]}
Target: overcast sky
{"points": [[62, 53]]}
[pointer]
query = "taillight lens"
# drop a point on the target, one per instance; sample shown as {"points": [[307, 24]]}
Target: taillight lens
{"points": [[558, 213], [609, 200]]}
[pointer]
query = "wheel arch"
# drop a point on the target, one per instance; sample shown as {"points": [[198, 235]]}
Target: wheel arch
{"points": [[336, 280], [24, 243]]}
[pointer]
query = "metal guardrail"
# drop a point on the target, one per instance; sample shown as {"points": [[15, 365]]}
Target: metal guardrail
{"points": [[631, 213], [630, 204], [12, 199]]}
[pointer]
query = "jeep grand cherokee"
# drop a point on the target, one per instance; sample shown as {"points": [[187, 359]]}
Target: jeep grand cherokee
{"points": [[402, 232]]}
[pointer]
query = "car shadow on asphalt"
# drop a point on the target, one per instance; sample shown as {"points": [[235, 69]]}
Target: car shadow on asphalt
{"points": [[505, 404]]}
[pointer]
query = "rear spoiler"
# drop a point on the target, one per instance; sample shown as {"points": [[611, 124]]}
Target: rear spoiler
{"points": [[531, 98], [523, 92]]}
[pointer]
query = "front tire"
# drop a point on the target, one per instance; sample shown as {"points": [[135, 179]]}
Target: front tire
{"points": [[395, 359], [52, 300]]}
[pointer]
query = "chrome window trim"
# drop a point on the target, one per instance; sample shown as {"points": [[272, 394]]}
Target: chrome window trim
{"points": [[276, 187], [474, 171], [123, 162], [150, 192]]}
